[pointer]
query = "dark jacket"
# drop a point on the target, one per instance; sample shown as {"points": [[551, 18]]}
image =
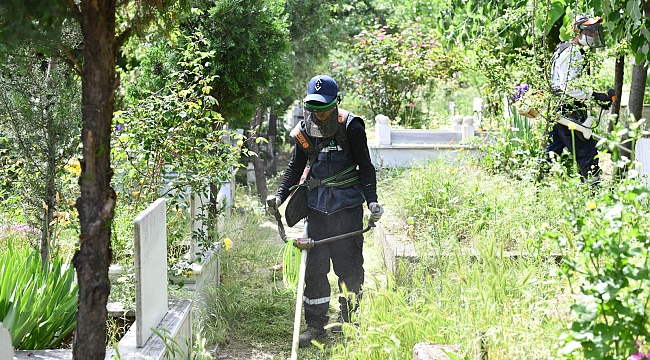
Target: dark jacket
{"points": [[331, 161]]}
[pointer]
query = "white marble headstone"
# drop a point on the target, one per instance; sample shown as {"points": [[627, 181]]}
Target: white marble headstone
{"points": [[6, 350], [382, 129], [150, 255], [198, 212], [642, 155]]}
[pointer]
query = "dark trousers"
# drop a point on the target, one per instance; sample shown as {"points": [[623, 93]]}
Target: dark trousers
{"points": [[347, 261], [585, 150]]}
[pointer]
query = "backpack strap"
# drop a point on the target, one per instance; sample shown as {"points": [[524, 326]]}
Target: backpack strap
{"points": [[299, 134], [342, 133]]}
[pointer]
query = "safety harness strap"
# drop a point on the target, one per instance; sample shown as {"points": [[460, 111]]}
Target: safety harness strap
{"points": [[346, 178]]}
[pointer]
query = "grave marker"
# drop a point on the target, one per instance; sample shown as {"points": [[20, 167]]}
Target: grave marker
{"points": [[642, 155], [6, 350], [150, 253], [198, 212]]}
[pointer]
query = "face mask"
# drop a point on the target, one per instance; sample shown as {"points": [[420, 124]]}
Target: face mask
{"points": [[585, 40]]}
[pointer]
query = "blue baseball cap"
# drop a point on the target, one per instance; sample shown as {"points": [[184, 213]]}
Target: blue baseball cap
{"points": [[322, 88]]}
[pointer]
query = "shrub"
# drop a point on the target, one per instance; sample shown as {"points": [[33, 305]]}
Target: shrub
{"points": [[37, 305], [607, 262]]}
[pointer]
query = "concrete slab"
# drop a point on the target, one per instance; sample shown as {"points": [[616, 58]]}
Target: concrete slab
{"points": [[43, 355], [642, 155], [405, 155], [150, 256], [176, 327], [395, 252]]}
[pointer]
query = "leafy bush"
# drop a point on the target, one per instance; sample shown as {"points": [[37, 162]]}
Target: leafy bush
{"points": [[517, 147], [173, 139], [607, 261], [394, 65], [37, 305]]}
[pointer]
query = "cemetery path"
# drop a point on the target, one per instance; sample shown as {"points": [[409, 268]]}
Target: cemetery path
{"points": [[259, 345], [259, 348]]}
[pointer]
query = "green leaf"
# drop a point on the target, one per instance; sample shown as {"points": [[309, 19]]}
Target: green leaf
{"points": [[570, 347], [639, 58]]}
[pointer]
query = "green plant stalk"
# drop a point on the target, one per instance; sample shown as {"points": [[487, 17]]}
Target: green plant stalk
{"points": [[36, 306]]}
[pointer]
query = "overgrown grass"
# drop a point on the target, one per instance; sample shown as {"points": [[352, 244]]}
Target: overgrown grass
{"points": [[448, 207], [463, 224], [465, 284], [246, 306]]}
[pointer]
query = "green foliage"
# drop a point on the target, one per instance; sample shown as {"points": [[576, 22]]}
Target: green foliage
{"points": [[248, 40], [173, 139], [245, 289], [18, 20], [608, 263], [40, 108], [444, 205], [37, 306], [393, 65], [623, 136], [515, 147]]}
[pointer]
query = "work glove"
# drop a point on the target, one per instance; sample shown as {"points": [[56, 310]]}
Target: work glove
{"points": [[602, 98], [376, 211], [272, 204]]}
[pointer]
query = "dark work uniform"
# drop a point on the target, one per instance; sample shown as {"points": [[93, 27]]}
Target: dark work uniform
{"points": [[334, 211]]}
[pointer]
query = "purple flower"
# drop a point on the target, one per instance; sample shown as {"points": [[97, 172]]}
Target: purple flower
{"points": [[519, 91], [118, 128], [19, 228]]}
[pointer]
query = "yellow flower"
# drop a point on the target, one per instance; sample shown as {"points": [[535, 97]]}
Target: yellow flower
{"points": [[572, 126], [190, 272], [73, 167], [240, 143], [179, 212], [591, 205], [227, 243]]}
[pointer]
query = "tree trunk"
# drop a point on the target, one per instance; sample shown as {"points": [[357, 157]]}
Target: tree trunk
{"points": [[96, 205], [271, 168], [619, 71], [635, 110], [637, 90], [258, 163], [50, 170]]}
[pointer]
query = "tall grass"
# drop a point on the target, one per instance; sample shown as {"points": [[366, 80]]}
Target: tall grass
{"points": [[246, 304], [447, 205], [466, 225], [515, 304]]}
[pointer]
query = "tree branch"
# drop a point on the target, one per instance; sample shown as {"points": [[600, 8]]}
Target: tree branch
{"points": [[121, 38], [69, 58], [74, 8]]}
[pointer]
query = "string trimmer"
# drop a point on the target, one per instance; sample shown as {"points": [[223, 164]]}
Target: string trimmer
{"points": [[304, 245]]}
